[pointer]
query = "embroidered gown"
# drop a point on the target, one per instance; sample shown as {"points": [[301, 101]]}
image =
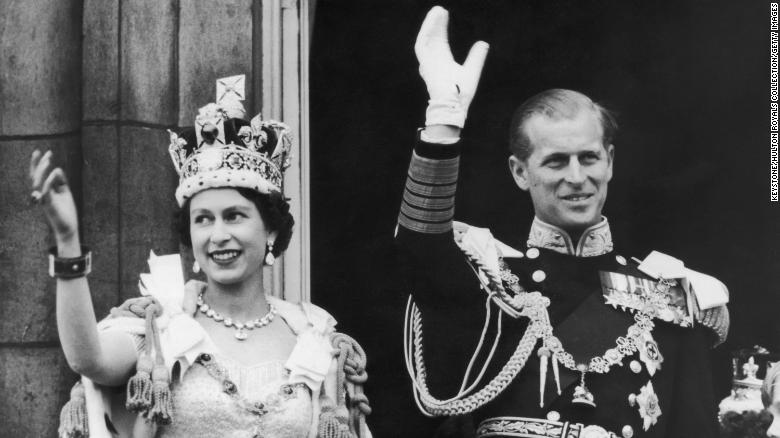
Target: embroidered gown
{"points": [[215, 396], [204, 409]]}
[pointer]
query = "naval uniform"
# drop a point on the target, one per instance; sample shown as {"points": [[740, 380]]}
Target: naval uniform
{"points": [[662, 389]]}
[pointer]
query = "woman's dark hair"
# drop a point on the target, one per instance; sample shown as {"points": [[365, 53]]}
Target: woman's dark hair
{"points": [[556, 104], [274, 210]]}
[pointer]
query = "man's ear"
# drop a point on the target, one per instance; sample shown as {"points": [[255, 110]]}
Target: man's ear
{"points": [[519, 171], [611, 159]]}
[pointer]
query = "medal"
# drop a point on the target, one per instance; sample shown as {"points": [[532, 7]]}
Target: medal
{"points": [[582, 394], [649, 353], [647, 402]]}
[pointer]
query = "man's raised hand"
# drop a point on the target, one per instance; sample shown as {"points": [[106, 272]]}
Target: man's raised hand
{"points": [[451, 86]]}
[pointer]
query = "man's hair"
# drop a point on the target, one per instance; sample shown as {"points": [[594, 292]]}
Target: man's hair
{"points": [[556, 104]]}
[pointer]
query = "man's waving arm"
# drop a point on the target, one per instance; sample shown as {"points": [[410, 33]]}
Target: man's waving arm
{"points": [[429, 196]]}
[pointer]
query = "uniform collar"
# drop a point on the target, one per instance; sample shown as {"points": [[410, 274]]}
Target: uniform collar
{"points": [[595, 241]]}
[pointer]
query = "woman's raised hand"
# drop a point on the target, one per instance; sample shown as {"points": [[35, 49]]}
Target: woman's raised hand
{"points": [[108, 357], [50, 190]]}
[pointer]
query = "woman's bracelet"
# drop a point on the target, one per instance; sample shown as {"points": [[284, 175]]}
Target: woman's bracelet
{"points": [[70, 267]]}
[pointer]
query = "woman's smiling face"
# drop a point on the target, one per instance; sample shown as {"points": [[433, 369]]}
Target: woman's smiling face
{"points": [[228, 236]]}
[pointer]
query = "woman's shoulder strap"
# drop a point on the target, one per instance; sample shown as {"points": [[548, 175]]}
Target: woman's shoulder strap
{"points": [[301, 315]]}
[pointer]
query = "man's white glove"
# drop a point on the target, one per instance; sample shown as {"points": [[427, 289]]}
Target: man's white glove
{"points": [[451, 86]]}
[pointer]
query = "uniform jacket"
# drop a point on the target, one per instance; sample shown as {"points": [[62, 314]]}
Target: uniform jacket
{"points": [[453, 302]]}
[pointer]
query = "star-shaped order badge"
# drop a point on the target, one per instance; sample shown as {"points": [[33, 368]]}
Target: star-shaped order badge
{"points": [[649, 352], [649, 409]]}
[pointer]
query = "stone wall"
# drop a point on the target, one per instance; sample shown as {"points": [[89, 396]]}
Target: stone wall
{"points": [[98, 82]]}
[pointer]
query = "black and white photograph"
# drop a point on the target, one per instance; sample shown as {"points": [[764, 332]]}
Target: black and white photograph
{"points": [[389, 218]]}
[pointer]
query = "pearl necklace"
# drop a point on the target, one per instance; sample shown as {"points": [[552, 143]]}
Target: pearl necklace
{"points": [[241, 327]]}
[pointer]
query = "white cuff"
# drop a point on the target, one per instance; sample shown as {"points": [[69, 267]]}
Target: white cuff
{"points": [[438, 140], [445, 112]]}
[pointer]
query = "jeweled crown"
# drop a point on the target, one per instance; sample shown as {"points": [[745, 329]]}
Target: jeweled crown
{"points": [[224, 150]]}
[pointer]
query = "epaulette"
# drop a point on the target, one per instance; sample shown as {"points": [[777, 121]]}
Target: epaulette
{"points": [[708, 291], [669, 291], [484, 253], [707, 294]]}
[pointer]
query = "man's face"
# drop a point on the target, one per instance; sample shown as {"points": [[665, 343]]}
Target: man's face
{"points": [[567, 171]]}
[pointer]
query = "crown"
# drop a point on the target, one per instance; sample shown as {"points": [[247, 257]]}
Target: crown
{"points": [[224, 150]]}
